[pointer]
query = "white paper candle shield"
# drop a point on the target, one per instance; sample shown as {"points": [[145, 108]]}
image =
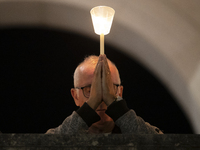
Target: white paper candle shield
{"points": [[102, 17]]}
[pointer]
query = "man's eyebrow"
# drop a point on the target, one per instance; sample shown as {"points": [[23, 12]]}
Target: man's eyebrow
{"points": [[88, 85]]}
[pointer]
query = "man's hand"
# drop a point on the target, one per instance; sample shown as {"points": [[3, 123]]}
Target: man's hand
{"points": [[102, 85], [108, 93], [96, 89]]}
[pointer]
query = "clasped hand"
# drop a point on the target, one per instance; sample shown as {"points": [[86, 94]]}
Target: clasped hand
{"points": [[102, 85]]}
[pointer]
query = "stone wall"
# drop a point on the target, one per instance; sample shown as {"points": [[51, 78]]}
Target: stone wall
{"points": [[103, 141]]}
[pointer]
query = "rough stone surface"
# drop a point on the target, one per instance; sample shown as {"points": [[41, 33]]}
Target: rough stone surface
{"points": [[103, 141]]}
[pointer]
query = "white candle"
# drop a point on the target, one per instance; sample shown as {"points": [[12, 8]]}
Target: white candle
{"points": [[102, 44]]}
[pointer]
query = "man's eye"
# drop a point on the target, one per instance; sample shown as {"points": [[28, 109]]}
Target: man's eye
{"points": [[88, 89]]}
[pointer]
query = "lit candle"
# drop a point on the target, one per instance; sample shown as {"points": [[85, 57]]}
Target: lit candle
{"points": [[102, 17]]}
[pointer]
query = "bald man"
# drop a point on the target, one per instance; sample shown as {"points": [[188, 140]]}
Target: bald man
{"points": [[98, 92]]}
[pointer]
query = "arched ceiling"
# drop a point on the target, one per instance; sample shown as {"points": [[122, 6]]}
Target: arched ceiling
{"points": [[163, 35]]}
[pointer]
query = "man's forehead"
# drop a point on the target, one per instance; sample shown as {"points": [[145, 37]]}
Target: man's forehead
{"points": [[84, 76], [85, 68]]}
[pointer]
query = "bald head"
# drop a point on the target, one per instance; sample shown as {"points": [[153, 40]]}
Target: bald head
{"points": [[85, 71]]}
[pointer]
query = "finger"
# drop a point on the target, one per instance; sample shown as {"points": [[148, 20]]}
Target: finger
{"points": [[96, 90], [98, 72], [100, 59], [98, 69], [106, 65], [108, 93], [106, 69]]}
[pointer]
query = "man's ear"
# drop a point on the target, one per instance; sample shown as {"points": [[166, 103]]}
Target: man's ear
{"points": [[75, 96], [121, 90]]}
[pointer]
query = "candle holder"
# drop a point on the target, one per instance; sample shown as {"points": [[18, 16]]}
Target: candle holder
{"points": [[102, 17]]}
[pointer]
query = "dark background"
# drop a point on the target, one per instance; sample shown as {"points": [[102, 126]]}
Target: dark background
{"points": [[37, 66]]}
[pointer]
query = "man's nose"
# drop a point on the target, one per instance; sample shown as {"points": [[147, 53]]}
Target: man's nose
{"points": [[102, 106]]}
